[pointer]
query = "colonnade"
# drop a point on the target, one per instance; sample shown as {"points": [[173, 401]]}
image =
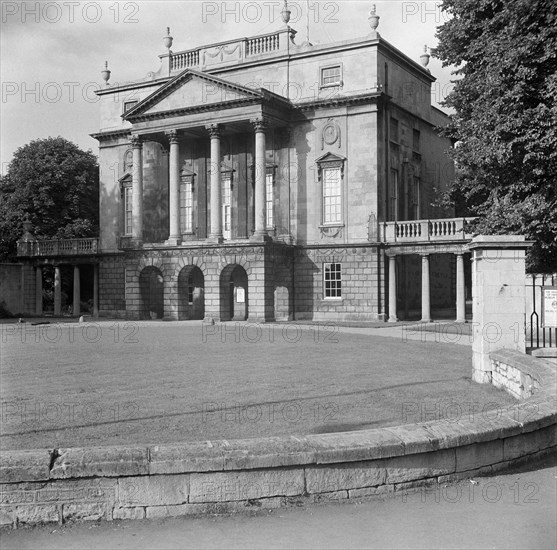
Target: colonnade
{"points": [[76, 308], [426, 300], [214, 132]]}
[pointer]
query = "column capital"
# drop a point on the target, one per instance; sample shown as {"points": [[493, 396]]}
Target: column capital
{"points": [[214, 130], [259, 124], [136, 142], [172, 136]]}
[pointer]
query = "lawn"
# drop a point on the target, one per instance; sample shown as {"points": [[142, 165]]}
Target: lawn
{"points": [[156, 382]]}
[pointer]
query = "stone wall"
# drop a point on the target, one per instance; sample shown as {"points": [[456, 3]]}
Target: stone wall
{"points": [[112, 286], [11, 287], [518, 374], [362, 284], [204, 477]]}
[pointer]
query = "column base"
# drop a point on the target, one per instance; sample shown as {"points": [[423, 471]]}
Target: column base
{"points": [[260, 237], [425, 320], [217, 239], [460, 320], [393, 320], [173, 241]]}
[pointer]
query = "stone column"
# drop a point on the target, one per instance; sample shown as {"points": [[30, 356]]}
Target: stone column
{"points": [[39, 291], [76, 307], [57, 290], [460, 291], [426, 308], [175, 237], [137, 188], [96, 290], [260, 126], [498, 298], [392, 289], [216, 187]]}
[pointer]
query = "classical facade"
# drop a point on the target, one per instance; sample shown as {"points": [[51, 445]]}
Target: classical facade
{"points": [[265, 180]]}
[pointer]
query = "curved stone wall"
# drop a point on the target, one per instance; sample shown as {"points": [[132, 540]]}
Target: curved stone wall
{"points": [[227, 476]]}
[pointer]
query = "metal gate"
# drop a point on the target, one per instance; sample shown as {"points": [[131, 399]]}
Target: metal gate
{"points": [[536, 335]]}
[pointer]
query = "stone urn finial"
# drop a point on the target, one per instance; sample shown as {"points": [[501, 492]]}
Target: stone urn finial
{"points": [[373, 18], [105, 73], [285, 13], [424, 58], [27, 227], [168, 39]]}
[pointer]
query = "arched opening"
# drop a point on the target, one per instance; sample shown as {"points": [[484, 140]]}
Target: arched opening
{"points": [[151, 288], [233, 293], [191, 293], [283, 295]]}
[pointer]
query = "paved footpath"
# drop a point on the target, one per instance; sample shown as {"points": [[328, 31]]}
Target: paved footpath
{"points": [[510, 511]]}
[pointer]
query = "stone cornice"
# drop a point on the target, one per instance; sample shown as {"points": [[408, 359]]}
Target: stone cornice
{"points": [[340, 101], [143, 117], [111, 134]]}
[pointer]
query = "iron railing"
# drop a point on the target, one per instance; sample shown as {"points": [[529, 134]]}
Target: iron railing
{"points": [[537, 336]]}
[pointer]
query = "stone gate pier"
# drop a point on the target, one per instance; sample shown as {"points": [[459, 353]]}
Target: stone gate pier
{"points": [[499, 301]]}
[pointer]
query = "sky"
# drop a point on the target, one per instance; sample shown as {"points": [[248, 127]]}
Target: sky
{"points": [[52, 52]]}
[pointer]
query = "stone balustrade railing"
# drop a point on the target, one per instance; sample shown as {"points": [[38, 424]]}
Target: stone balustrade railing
{"points": [[58, 247], [230, 51], [415, 231]]}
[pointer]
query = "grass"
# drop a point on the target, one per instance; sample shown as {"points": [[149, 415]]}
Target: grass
{"points": [[145, 383]]}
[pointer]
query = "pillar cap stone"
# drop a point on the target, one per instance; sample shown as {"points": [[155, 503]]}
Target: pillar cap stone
{"points": [[499, 241]]}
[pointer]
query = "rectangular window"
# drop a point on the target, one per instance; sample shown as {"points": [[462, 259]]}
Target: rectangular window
{"points": [[331, 76], [393, 195], [416, 198], [128, 217], [269, 195], [227, 205], [394, 130], [128, 105], [186, 207], [332, 203], [332, 280]]}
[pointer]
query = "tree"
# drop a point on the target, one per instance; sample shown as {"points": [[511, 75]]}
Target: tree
{"points": [[505, 117], [56, 184]]}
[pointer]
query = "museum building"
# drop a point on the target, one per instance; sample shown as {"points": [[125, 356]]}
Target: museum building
{"points": [[267, 180]]}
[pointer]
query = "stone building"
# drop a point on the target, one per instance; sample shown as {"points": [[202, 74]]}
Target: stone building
{"points": [[265, 180]]}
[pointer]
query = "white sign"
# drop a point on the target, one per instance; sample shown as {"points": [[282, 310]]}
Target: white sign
{"points": [[240, 295], [549, 306]]}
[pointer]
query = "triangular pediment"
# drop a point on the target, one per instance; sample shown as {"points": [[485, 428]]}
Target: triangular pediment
{"points": [[330, 157], [126, 179], [189, 90]]}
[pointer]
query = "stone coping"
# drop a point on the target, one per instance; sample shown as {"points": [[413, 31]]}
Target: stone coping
{"points": [[528, 415], [352, 464]]}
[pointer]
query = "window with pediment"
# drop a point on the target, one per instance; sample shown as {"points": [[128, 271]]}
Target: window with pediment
{"points": [[330, 169], [127, 201]]}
